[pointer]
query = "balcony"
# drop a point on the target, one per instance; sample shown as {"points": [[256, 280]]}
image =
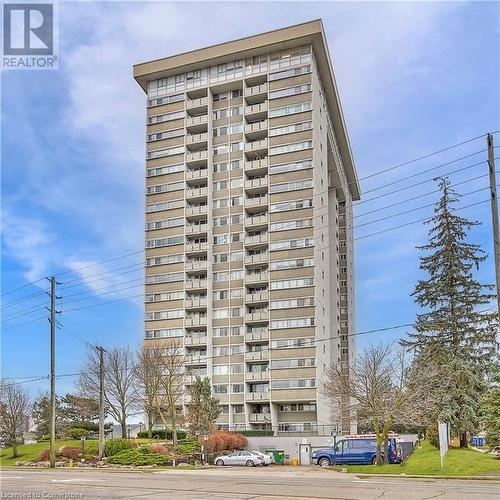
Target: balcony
{"points": [[195, 321], [257, 220], [259, 417], [257, 202], [196, 139], [256, 111], [257, 146], [257, 185], [192, 121], [258, 396], [257, 297], [196, 303], [257, 240], [196, 174], [197, 210], [257, 258], [196, 265], [196, 247], [251, 376], [256, 126], [196, 284], [256, 337], [195, 340], [196, 359], [256, 90], [197, 105], [196, 157], [196, 193], [196, 228], [257, 317], [257, 356], [257, 277], [258, 166]]}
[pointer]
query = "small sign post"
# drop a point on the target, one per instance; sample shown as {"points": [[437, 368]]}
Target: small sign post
{"points": [[443, 441]]}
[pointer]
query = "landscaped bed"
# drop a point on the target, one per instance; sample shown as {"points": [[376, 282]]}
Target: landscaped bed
{"points": [[425, 461]]}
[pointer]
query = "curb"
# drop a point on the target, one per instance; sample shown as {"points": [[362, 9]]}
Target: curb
{"points": [[415, 476]]}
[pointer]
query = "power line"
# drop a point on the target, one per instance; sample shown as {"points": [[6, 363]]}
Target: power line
{"points": [[21, 287]]}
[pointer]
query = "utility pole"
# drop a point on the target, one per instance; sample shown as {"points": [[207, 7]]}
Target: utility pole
{"points": [[101, 351], [52, 320], [494, 213]]}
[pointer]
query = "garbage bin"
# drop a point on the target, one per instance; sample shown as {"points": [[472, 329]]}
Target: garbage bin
{"points": [[279, 456]]}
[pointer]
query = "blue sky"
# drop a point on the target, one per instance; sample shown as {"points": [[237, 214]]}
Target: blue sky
{"points": [[413, 78]]}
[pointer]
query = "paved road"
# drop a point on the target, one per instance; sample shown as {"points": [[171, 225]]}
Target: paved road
{"points": [[273, 483]]}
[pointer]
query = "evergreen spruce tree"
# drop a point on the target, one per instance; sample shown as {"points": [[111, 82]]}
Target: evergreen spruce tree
{"points": [[455, 325], [203, 409]]}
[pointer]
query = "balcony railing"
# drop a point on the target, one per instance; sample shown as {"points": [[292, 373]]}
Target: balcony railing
{"points": [[255, 145], [260, 417], [196, 359], [195, 303], [256, 201], [195, 321], [257, 220], [257, 316], [258, 396], [257, 356], [196, 228], [196, 120], [196, 156], [195, 340], [197, 103], [257, 277], [260, 164], [195, 284], [196, 265], [257, 376], [256, 239], [195, 138], [256, 108], [197, 210], [256, 126], [255, 337], [197, 192], [257, 258], [196, 247], [196, 174], [256, 89], [255, 183]]}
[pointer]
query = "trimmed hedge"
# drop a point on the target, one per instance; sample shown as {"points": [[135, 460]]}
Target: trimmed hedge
{"points": [[76, 432], [257, 433], [188, 446], [141, 456], [162, 434]]}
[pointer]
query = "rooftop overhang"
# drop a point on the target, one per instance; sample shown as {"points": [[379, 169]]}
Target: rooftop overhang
{"points": [[293, 36]]}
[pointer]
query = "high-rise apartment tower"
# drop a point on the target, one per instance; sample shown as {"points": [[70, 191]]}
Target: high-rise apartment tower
{"points": [[249, 256]]}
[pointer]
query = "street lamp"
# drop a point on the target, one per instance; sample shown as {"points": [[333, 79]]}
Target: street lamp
{"points": [[203, 447], [334, 434]]}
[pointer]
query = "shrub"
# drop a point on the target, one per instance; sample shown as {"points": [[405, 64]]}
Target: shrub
{"points": [[71, 452], [222, 441], [85, 424], [141, 456], [188, 447], [432, 435], [44, 455], [162, 434], [158, 448], [92, 448], [76, 432], [114, 446]]}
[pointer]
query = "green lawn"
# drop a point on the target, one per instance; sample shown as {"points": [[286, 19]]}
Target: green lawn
{"points": [[425, 461], [28, 452]]}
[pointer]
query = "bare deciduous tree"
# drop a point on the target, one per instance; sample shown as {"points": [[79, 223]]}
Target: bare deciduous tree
{"points": [[15, 405], [119, 382]]}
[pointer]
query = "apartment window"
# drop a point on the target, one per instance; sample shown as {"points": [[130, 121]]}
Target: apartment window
{"points": [[218, 185], [237, 293], [165, 117], [219, 388], [165, 170], [290, 148], [220, 332], [236, 110], [225, 166], [290, 167], [160, 297], [160, 153], [236, 219], [221, 113], [221, 239], [220, 313], [221, 350], [298, 89], [221, 294], [158, 207], [291, 186], [221, 203], [236, 200], [289, 244], [237, 349], [165, 242], [236, 146], [220, 221], [238, 388], [290, 205], [224, 409], [236, 312], [167, 134], [221, 149], [237, 331], [293, 407], [286, 304], [293, 384], [291, 264], [221, 370], [237, 368], [222, 276], [235, 237], [165, 259], [291, 109], [290, 57], [237, 275], [170, 314], [292, 363], [164, 278], [296, 283], [230, 129], [292, 224], [292, 343], [161, 224], [290, 129], [164, 333], [165, 188], [292, 323], [238, 409], [165, 100]]}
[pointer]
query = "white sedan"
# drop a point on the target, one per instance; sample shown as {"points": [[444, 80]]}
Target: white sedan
{"points": [[241, 457]]}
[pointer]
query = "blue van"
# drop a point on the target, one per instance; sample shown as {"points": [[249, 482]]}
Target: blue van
{"points": [[354, 451]]}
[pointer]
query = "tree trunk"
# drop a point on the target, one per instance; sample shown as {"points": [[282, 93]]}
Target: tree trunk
{"points": [[376, 427], [386, 445], [150, 424], [174, 427], [123, 423], [463, 440], [14, 448]]}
